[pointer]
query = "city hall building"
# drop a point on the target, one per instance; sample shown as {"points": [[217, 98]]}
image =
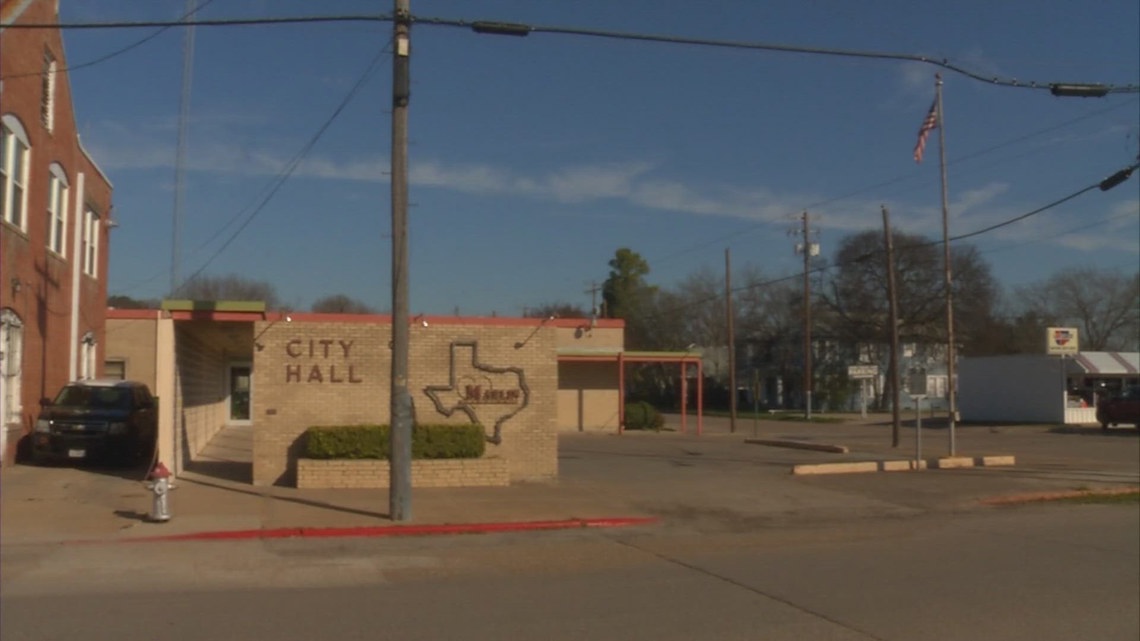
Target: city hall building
{"points": [[221, 364]]}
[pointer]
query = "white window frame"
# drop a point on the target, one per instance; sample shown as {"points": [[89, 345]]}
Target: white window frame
{"points": [[14, 161], [58, 187], [47, 100], [11, 366], [90, 256]]}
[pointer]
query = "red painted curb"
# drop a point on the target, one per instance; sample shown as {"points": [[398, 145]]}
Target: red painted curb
{"points": [[390, 530]]}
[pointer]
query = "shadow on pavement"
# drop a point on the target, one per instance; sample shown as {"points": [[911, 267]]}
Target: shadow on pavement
{"points": [[284, 499]]}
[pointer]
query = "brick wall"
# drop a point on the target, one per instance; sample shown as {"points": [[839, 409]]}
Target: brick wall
{"points": [[44, 298], [326, 372], [483, 472]]}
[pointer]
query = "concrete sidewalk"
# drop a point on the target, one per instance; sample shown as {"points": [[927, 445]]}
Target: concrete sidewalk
{"points": [[715, 481]]}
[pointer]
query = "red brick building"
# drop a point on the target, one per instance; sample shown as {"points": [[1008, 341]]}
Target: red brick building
{"points": [[55, 210]]}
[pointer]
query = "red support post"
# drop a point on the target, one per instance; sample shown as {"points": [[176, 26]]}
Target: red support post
{"points": [[621, 392], [700, 397], [684, 396]]}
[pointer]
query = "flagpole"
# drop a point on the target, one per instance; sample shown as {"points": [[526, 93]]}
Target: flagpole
{"points": [[950, 356]]}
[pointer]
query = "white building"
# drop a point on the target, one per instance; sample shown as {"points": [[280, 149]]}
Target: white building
{"points": [[1033, 388]]}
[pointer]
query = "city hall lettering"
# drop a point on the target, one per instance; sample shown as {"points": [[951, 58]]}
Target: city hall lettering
{"points": [[323, 349]]}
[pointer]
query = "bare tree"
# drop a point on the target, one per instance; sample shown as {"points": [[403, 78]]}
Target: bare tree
{"points": [[341, 304], [1103, 304], [231, 287], [557, 310]]}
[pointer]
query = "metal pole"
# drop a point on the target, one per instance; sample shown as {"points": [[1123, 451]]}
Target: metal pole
{"points": [[952, 404], [731, 341], [807, 317], [400, 403], [917, 431], [892, 303]]}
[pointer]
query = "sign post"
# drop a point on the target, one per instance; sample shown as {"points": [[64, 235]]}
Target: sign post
{"points": [[862, 373], [1063, 341], [916, 384]]}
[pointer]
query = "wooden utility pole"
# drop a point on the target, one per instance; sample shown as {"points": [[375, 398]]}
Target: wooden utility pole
{"points": [[807, 316], [400, 401], [893, 318], [731, 340]]}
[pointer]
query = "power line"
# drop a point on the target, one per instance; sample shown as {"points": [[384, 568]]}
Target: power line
{"points": [[521, 29], [901, 178], [873, 254], [117, 52], [296, 161]]}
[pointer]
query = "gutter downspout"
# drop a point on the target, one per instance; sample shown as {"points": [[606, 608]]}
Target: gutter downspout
{"points": [[76, 268]]}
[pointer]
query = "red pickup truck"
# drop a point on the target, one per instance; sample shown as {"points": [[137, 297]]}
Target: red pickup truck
{"points": [[1122, 409]]}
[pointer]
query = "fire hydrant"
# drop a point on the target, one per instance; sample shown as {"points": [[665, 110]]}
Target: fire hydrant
{"points": [[160, 486]]}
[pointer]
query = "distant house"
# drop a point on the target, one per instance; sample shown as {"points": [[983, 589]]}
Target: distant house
{"points": [[1040, 388], [55, 206]]}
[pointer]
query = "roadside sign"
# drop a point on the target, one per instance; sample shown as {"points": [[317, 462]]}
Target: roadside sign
{"points": [[1062, 340], [916, 381], [862, 371]]}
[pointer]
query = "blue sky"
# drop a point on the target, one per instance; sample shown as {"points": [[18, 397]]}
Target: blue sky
{"points": [[533, 159]]}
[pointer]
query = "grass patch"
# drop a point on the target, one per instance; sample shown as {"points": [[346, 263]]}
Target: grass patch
{"points": [[1092, 498], [776, 416]]}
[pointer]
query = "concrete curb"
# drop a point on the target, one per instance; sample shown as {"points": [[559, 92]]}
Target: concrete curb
{"points": [[902, 465], [798, 445], [384, 530]]}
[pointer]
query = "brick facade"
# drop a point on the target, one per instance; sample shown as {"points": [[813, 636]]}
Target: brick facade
{"points": [[321, 372], [53, 302]]}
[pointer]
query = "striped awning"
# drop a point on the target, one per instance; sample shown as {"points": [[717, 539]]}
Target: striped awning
{"points": [[1109, 363]]}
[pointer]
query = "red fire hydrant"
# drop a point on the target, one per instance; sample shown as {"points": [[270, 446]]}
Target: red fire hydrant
{"points": [[160, 486]]}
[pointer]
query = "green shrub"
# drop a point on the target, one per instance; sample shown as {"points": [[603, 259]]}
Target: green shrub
{"points": [[643, 416], [371, 442]]}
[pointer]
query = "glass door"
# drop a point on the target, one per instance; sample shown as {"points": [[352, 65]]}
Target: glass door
{"points": [[240, 380]]}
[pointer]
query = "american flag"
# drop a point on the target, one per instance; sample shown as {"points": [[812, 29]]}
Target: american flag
{"points": [[930, 122]]}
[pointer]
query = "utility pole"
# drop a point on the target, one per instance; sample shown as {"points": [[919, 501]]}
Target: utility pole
{"points": [[893, 304], [731, 341], [400, 401], [593, 292], [952, 405], [180, 151], [808, 249]]}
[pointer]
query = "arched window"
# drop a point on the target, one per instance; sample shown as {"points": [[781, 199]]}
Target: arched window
{"points": [[15, 156], [57, 209]]}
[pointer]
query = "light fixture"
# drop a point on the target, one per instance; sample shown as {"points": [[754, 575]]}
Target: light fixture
{"points": [[287, 318], [421, 318]]}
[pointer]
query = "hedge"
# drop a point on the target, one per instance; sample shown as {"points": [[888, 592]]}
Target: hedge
{"points": [[643, 416], [371, 442]]}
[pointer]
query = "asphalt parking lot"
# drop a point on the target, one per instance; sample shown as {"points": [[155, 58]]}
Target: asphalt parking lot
{"points": [[715, 481]]}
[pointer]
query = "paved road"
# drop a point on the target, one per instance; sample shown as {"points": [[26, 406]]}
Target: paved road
{"points": [[1042, 572]]}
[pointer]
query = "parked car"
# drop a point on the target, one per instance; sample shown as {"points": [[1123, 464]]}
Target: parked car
{"points": [[97, 420], [1124, 408]]}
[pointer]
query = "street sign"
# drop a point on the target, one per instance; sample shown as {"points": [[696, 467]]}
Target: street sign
{"points": [[862, 371], [916, 381], [1062, 340]]}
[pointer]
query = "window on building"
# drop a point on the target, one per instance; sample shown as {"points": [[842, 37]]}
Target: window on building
{"points": [[57, 210], [14, 153], [47, 100], [115, 368], [90, 250], [11, 364]]}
